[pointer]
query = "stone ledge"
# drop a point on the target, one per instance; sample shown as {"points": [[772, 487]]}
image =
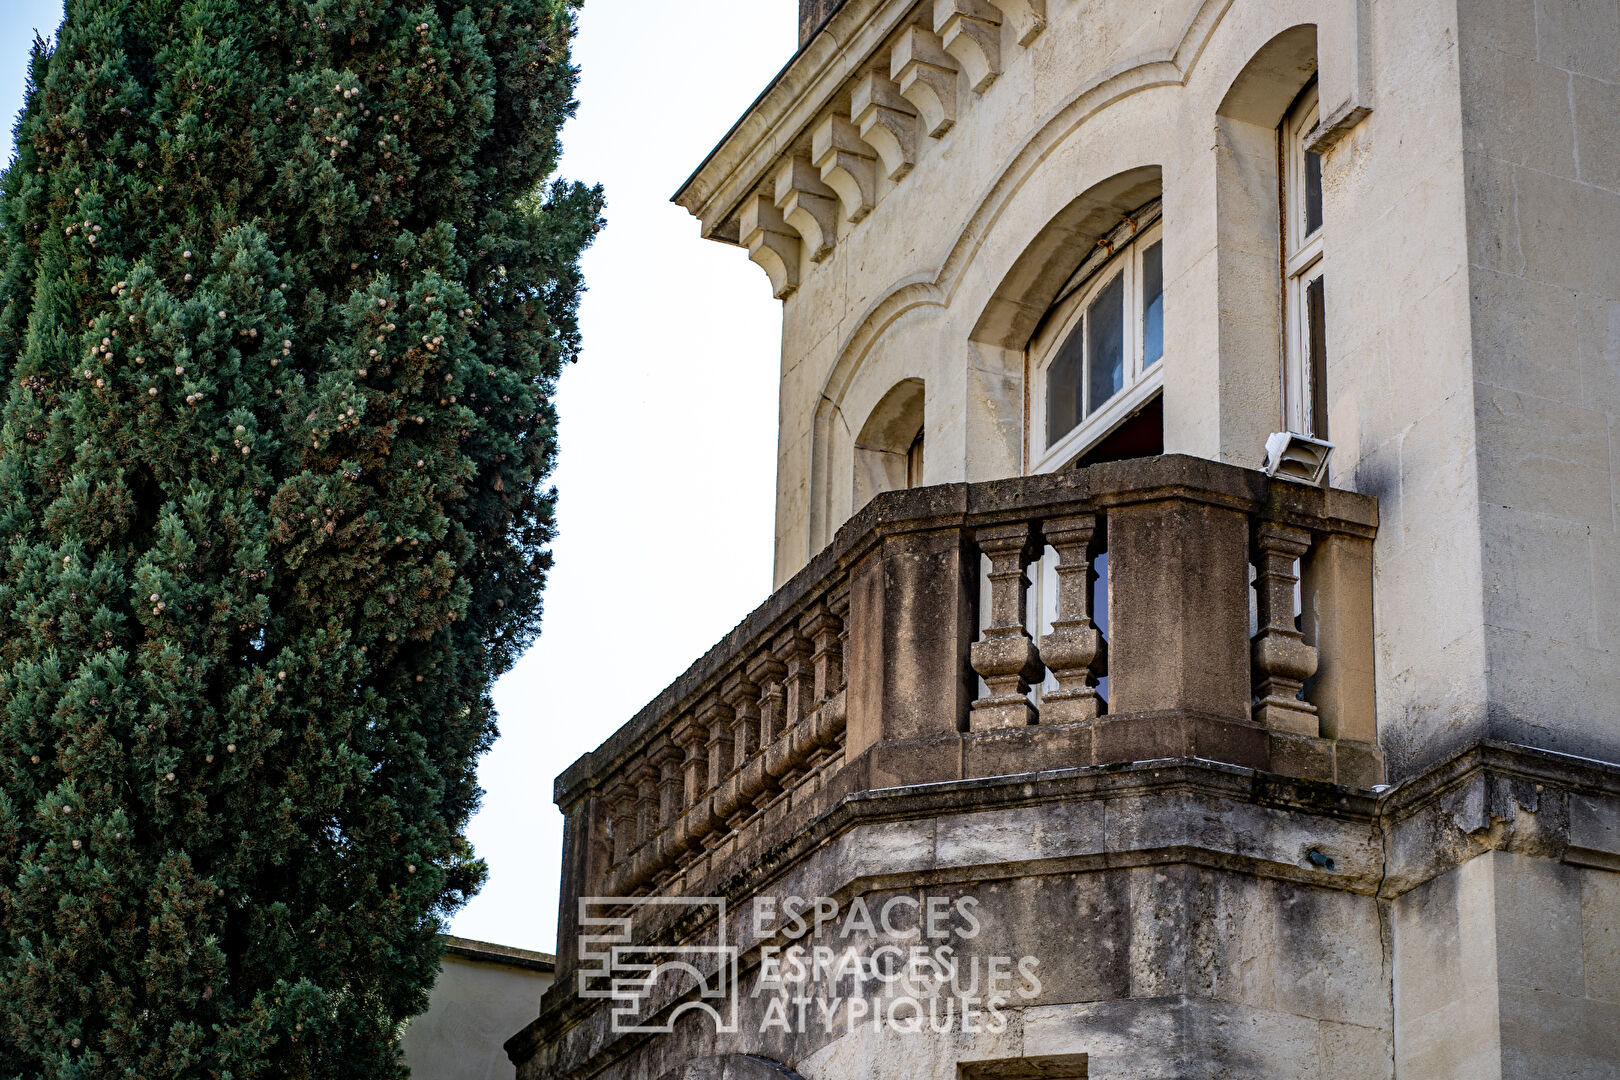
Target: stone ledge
{"points": [[1490, 796]]}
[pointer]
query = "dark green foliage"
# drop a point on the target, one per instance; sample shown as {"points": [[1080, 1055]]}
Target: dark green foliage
{"points": [[283, 304]]}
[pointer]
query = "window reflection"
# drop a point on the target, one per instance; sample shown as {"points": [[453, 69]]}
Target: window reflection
{"points": [[1153, 305], [1105, 323]]}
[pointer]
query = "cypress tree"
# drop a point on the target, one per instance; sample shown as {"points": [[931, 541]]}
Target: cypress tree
{"points": [[284, 294]]}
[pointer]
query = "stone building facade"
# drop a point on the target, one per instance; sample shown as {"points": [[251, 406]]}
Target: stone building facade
{"points": [[1244, 775]]}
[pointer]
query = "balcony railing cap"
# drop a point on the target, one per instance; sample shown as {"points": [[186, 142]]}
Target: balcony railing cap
{"points": [[964, 507]]}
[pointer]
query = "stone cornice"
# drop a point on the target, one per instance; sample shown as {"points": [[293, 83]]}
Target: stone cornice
{"points": [[1489, 796], [785, 110], [879, 79]]}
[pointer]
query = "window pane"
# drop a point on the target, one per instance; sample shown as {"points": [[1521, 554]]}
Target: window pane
{"points": [[1152, 305], [1316, 342], [1105, 326], [1063, 387], [1313, 192]]}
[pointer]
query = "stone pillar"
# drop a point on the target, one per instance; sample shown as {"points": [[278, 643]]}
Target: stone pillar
{"points": [[1178, 593], [575, 884], [1074, 649], [1006, 657], [910, 629], [1338, 603], [1282, 660]]}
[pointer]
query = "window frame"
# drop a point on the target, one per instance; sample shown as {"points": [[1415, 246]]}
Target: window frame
{"points": [[1119, 253], [1303, 264]]}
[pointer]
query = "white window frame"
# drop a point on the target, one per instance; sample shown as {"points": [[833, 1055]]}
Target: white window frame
{"points": [[1303, 264], [1130, 241]]}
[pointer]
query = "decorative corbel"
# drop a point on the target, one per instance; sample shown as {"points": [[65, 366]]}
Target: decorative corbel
{"points": [[847, 165], [1026, 17], [771, 243], [887, 121], [926, 75], [971, 32], [808, 205]]}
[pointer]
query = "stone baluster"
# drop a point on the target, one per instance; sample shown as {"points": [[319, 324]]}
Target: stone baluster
{"points": [[716, 716], [621, 799], [1006, 658], [692, 737], [671, 801], [692, 824], [1282, 660], [1073, 651], [742, 696], [647, 817], [734, 800], [838, 604], [670, 798], [821, 627], [767, 672], [793, 652]]}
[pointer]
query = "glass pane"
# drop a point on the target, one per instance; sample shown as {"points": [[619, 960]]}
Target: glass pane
{"points": [[1313, 192], [1152, 305], [1063, 387], [1105, 326], [1316, 342]]}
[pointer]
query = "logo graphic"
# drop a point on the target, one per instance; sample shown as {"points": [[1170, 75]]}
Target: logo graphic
{"points": [[643, 979]]}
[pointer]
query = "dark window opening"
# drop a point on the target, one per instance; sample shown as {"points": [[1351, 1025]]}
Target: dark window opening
{"points": [[1140, 436]]}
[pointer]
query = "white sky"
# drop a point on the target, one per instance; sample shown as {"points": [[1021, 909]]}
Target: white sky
{"points": [[668, 423]]}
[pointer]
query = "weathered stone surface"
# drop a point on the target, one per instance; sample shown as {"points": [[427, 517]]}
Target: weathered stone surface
{"points": [[1228, 886], [1253, 920]]}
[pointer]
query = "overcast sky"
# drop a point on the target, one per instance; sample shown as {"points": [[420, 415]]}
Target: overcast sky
{"points": [[668, 423]]}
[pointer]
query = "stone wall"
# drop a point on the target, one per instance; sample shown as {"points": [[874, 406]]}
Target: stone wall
{"points": [[1188, 920], [925, 176]]}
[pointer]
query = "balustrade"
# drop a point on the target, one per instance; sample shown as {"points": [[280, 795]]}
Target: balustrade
{"points": [[859, 673]]}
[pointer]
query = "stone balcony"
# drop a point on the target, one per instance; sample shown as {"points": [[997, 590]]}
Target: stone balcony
{"points": [[1238, 614]]}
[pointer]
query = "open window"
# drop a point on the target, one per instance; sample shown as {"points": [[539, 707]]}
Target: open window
{"points": [[1097, 358], [1304, 284]]}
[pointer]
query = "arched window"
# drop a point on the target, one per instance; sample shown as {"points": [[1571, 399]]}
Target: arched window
{"points": [[889, 448], [1096, 358], [1305, 287]]}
